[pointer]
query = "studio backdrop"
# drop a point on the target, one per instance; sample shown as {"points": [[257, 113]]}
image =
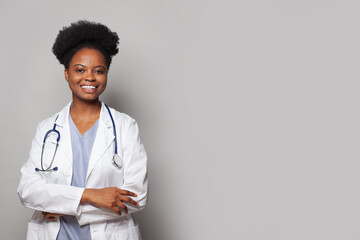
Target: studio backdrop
{"points": [[249, 111]]}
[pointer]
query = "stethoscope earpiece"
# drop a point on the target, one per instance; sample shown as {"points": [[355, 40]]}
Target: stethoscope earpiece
{"points": [[46, 170]]}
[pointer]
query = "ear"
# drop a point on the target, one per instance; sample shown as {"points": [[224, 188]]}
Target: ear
{"points": [[66, 73]]}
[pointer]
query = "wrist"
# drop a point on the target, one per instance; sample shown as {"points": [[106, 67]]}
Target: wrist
{"points": [[85, 198]]}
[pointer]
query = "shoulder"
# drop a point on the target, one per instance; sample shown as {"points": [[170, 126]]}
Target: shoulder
{"points": [[44, 126], [122, 118], [127, 124], [48, 123]]}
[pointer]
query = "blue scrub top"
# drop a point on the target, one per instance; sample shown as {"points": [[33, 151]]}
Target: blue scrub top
{"points": [[81, 148]]}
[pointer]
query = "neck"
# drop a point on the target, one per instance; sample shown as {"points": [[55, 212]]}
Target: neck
{"points": [[85, 109]]}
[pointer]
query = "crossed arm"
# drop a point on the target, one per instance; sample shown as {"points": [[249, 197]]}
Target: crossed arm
{"points": [[111, 198], [88, 205]]}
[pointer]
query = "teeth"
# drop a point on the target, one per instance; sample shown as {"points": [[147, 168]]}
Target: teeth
{"points": [[88, 87]]}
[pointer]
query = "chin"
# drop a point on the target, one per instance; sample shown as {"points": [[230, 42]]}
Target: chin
{"points": [[86, 98]]}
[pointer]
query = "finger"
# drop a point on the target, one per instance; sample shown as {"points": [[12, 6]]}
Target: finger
{"points": [[129, 200], [115, 209], [49, 217], [57, 214], [127, 192], [52, 214], [123, 206]]}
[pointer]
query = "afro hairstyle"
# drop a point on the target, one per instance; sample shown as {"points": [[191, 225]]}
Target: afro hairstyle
{"points": [[82, 34]]}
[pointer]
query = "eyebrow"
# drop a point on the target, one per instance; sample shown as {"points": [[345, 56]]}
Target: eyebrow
{"points": [[85, 66]]}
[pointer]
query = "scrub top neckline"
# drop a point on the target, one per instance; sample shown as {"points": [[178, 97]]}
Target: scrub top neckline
{"points": [[77, 130]]}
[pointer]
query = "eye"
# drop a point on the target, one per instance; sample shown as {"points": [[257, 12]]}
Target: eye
{"points": [[99, 71], [79, 70]]}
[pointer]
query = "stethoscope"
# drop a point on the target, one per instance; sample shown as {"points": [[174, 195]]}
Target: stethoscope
{"points": [[117, 160]]}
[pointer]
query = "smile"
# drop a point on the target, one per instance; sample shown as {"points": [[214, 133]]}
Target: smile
{"points": [[88, 87]]}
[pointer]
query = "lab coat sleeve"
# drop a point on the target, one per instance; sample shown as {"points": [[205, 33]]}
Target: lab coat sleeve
{"points": [[135, 177], [34, 192]]}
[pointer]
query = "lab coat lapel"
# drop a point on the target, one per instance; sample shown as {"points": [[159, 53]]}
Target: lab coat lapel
{"points": [[62, 125], [104, 137]]}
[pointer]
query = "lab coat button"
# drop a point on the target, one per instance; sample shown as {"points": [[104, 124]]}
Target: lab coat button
{"points": [[67, 174]]}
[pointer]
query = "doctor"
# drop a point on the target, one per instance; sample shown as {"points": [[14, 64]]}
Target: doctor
{"points": [[87, 168]]}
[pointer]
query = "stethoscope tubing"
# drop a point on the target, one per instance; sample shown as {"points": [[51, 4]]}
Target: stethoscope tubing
{"points": [[43, 146], [52, 160], [113, 123], [49, 169]]}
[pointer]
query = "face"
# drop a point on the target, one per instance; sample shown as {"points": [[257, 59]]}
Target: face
{"points": [[87, 75]]}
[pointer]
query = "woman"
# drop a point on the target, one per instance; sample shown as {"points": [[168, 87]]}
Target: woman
{"points": [[91, 172]]}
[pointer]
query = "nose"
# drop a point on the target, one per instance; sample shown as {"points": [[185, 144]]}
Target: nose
{"points": [[90, 76]]}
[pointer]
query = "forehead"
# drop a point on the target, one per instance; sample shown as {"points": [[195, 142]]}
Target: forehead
{"points": [[88, 56]]}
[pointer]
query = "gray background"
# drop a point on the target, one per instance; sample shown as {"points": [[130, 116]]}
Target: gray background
{"points": [[249, 111]]}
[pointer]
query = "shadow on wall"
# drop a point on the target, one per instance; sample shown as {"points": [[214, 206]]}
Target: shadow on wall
{"points": [[150, 220]]}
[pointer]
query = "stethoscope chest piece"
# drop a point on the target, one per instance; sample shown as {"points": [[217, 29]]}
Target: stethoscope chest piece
{"points": [[117, 161]]}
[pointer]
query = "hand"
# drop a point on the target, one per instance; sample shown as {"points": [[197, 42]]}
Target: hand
{"points": [[51, 216], [112, 198]]}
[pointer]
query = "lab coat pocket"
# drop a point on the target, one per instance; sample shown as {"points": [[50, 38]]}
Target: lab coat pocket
{"points": [[33, 231], [56, 177], [131, 233], [39, 231]]}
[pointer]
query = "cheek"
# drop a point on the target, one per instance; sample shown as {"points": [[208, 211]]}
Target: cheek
{"points": [[73, 79], [103, 81], [103, 87], [72, 83]]}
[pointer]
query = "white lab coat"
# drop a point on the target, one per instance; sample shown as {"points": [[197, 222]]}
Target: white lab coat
{"points": [[51, 191]]}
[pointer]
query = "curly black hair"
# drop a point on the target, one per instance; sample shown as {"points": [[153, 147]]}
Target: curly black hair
{"points": [[82, 34]]}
